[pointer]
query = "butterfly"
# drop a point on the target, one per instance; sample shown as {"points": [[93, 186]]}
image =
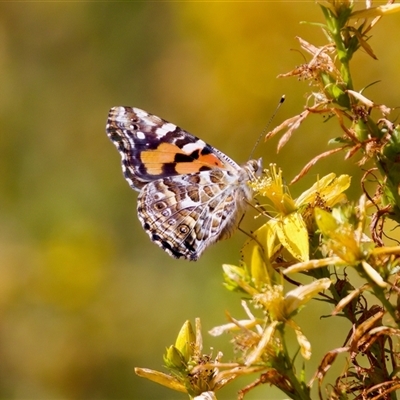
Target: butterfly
{"points": [[191, 195]]}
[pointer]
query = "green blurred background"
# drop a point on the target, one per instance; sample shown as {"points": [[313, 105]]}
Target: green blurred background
{"points": [[84, 295]]}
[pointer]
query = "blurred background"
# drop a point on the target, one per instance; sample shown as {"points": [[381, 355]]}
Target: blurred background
{"points": [[84, 295]]}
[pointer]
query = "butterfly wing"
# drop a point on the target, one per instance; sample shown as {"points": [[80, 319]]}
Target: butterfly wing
{"points": [[152, 148], [191, 194], [187, 213]]}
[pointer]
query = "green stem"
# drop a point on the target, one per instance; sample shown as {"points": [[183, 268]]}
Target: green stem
{"points": [[346, 75], [335, 24], [301, 392]]}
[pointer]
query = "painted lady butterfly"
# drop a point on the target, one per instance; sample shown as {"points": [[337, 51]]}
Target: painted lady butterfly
{"points": [[191, 194]]}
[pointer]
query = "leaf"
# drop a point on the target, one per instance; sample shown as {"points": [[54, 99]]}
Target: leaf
{"points": [[311, 163], [161, 378], [376, 11]]}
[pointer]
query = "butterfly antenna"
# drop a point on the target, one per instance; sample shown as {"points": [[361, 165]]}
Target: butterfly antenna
{"points": [[282, 99]]}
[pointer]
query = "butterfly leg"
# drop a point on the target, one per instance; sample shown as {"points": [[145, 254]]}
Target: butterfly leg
{"points": [[249, 234]]}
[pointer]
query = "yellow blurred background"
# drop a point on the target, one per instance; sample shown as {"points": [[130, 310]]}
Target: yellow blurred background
{"points": [[84, 295]]}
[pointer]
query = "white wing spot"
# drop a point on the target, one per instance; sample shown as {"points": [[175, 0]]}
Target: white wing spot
{"points": [[191, 147], [140, 113], [163, 130]]}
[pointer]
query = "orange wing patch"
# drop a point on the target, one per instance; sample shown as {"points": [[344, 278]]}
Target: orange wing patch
{"points": [[164, 153], [210, 160], [169, 153]]}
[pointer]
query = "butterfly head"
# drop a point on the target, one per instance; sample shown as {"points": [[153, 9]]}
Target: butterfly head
{"points": [[254, 168]]}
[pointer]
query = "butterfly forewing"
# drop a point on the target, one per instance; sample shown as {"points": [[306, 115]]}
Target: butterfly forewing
{"points": [[152, 148]]}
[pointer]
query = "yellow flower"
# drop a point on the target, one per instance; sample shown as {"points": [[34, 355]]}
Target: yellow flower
{"points": [[280, 309], [271, 186], [294, 217], [328, 188], [191, 371]]}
